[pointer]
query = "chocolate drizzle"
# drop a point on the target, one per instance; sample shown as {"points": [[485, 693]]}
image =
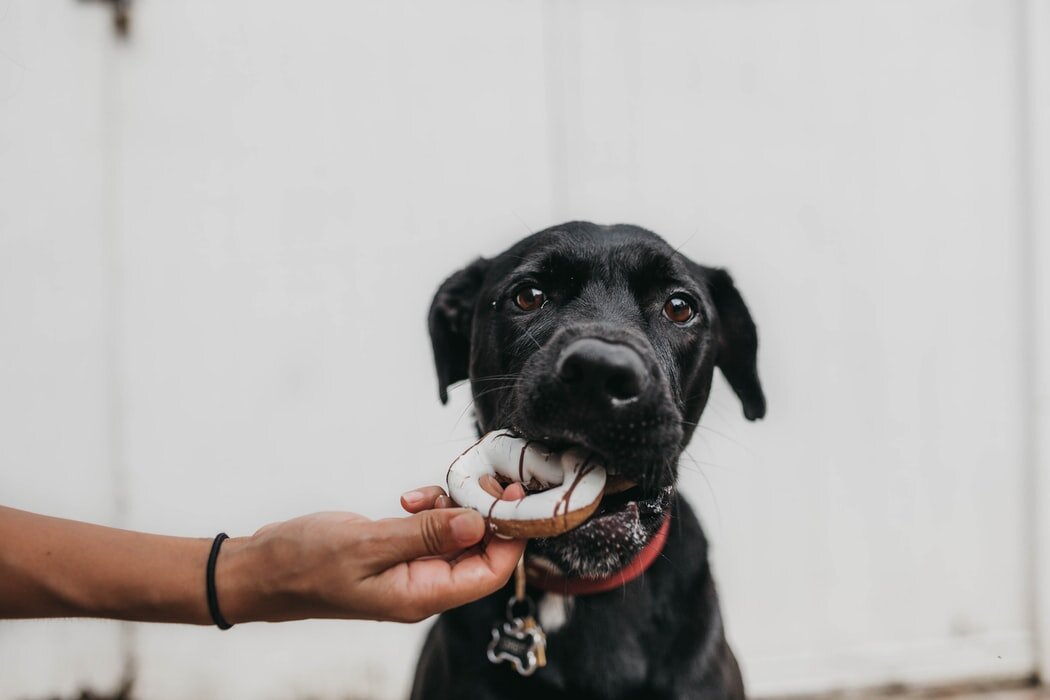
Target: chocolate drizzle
{"points": [[461, 455], [521, 461], [563, 502], [476, 443], [488, 516], [561, 507], [506, 433]]}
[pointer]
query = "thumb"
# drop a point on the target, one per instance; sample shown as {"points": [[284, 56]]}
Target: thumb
{"points": [[426, 534]]}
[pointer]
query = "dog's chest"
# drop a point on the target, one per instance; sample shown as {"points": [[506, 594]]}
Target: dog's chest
{"points": [[554, 611], [590, 648]]}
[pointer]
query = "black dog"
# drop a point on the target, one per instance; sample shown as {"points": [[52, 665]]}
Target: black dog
{"points": [[602, 337]]}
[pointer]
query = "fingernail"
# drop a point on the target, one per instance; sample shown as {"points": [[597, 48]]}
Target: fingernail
{"points": [[412, 497], [443, 502], [465, 528]]}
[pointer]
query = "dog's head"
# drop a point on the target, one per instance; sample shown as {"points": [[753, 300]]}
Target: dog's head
{"points": [[602, 337]]}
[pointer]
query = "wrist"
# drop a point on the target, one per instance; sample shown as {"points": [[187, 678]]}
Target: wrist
{"points": [[239, 580]]}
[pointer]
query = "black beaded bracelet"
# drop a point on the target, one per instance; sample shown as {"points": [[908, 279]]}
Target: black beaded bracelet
{"points": [[209, 583]]}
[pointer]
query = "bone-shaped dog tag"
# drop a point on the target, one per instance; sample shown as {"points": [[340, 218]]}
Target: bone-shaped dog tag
{"points": [[522, 645], [541, 647], [520, 640]]}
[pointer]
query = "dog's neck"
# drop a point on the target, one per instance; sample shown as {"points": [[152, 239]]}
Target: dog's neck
{"points": [[546, 577]]}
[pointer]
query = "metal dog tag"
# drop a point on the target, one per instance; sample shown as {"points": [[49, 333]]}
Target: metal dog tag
{"points": [[541, 648], [520, 640], [523, 646]]}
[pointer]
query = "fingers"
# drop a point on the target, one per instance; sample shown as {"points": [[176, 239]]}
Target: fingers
{"points": [[423, 498], [480, 575], [492, 487], [423, 569], [430, 586], [430, 497], [489, 485], [514, 492], [430, 533], [434, 536]]}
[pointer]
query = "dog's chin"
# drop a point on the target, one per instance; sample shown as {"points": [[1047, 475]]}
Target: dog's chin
{"points": [[609, 540]]}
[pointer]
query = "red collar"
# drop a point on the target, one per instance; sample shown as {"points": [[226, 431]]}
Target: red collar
{"points": [[563, 585]]}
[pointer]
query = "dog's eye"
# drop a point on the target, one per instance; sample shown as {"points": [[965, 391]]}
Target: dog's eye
{"points": [[679, 310], [529, 298]]}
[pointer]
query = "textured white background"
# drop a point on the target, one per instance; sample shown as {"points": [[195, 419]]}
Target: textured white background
{"points": [[218, 242]]}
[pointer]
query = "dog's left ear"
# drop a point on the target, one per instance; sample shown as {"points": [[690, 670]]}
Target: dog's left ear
{"points": [[450, 320], [737, 353]]}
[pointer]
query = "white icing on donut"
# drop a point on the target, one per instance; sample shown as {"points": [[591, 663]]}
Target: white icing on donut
{"points": [[572, 479]]}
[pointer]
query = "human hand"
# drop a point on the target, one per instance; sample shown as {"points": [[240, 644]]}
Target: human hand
{"points": [[343, 565]]}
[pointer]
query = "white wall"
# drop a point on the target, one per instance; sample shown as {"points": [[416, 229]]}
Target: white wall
{"points": [[218, 242], [56, 323], [1036, 158]]}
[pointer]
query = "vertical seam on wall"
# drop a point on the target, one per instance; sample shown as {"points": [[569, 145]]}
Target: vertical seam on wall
{"points": [[561, 40], [1033, 22], [1028, 374], [632, 17], [114, 309]]}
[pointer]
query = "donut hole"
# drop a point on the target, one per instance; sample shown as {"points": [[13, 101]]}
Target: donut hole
{"points": [[495, 484], [530, 486], [562, 489]]}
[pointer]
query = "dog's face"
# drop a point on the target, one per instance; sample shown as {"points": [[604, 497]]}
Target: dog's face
{"points": [[602, 337]]}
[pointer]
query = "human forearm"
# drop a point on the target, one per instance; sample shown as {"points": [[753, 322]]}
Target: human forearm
{"points": [[50, 567], [335, 565]]}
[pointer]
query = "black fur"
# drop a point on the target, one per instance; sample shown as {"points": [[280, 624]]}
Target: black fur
{"points": [[599, 365]]}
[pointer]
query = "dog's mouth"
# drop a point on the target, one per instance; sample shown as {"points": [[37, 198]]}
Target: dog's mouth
{"points": [[620, 494], [620, 497], [629, 514], [617, 483], [623, 507], [623, 495], [609, 540]]}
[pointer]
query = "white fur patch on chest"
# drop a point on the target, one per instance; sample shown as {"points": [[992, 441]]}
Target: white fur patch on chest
{"points": [[554, 611]]}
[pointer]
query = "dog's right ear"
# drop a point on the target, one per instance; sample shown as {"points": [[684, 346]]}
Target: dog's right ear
{"points": [[450, 320]]}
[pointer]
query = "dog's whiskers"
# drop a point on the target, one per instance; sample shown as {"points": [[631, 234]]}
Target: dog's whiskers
{"points": [[528, 229], [707, 481], [494, 376], [709, 429], [530, 337], [678, 250], [493, 389], [485, 392]]}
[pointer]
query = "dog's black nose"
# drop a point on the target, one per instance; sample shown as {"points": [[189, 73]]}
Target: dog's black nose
{"points": [[603, 369]]}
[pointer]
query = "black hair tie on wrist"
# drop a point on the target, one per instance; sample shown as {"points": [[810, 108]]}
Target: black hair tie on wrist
{"points": [[209, 583]]}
